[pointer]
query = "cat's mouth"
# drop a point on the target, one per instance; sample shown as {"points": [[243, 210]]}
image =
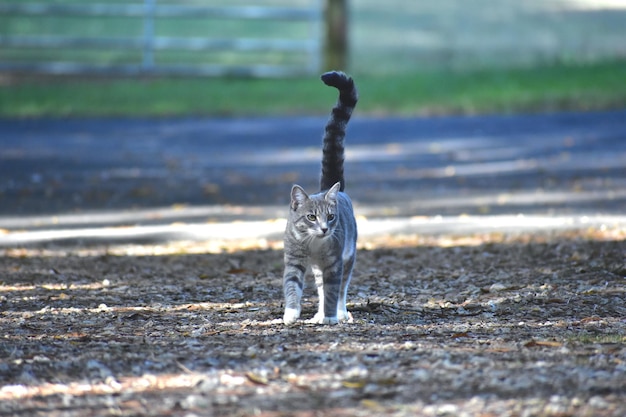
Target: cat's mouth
{"points": [[323, 233]]}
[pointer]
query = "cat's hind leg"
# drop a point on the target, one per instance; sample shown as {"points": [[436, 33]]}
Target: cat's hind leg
{"points": [[327, 281], [318, 274], [343, 315]]}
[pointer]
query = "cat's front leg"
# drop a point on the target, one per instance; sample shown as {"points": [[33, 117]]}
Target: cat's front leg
{"points": [[293, 283], [291, 315]]}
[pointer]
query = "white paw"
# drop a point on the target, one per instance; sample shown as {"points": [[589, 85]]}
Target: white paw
{"points": [[344, 317], [320, 319], [291, 316]]}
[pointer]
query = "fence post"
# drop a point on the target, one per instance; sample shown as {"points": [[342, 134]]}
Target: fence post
{"points": [[336, 39], [147, 61]]}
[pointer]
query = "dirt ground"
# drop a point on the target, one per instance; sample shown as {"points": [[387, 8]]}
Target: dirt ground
{"points": [[483, 325]]}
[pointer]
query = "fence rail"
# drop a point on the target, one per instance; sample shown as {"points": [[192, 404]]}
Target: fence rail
{"points": [[272, 56]]}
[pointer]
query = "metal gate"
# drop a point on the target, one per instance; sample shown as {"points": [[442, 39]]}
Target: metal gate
{"points": [[157, 38]]}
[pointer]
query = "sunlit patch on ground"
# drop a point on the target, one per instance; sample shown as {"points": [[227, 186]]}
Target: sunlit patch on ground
{"points": [[444, 324]]}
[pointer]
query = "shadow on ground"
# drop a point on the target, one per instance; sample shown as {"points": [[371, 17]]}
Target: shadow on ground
{"points": [[563, 163], [530, 324]]}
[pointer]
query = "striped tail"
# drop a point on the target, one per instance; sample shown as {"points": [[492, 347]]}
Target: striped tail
{"points": [[335, 131]]}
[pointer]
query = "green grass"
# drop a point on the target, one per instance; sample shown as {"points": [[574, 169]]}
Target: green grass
{"points": [[543, 88], [546, 88]]}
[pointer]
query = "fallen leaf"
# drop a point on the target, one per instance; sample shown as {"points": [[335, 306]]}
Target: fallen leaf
{"points": [[235, 271], [387, 381], [372, 404], [353, 384], [544, 343], [257, 378], [590, 319]]}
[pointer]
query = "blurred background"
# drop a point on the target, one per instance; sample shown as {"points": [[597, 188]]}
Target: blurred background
{"points": [[274, 38], [226, 58], [120, 104], [400, 35]]}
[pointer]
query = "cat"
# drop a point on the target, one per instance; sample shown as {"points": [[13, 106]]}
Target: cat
{"points": [[321, 229]]}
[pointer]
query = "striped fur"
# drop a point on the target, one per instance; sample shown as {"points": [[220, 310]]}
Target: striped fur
{"points": [[321, 230], [335, 131]]}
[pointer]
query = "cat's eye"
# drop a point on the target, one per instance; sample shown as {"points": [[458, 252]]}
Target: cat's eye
{"points": [[331, 217], [311, 217]]}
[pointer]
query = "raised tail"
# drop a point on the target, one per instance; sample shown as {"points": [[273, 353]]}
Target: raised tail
{"points": [[335, 131]]}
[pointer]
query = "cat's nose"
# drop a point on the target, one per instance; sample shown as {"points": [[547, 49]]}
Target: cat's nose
{"points": [[324, 230]]}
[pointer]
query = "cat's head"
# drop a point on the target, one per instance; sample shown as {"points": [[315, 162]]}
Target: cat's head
{"points": [[314, 215]]}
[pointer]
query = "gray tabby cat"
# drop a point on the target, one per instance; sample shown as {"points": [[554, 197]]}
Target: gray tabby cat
{"points": [[321, 229]]}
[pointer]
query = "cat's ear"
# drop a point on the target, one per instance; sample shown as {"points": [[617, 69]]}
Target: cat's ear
{"points": [[331, 195], [298, 197]]}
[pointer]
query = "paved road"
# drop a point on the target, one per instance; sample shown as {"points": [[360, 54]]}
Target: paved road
{"points": [[557, 163]]}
